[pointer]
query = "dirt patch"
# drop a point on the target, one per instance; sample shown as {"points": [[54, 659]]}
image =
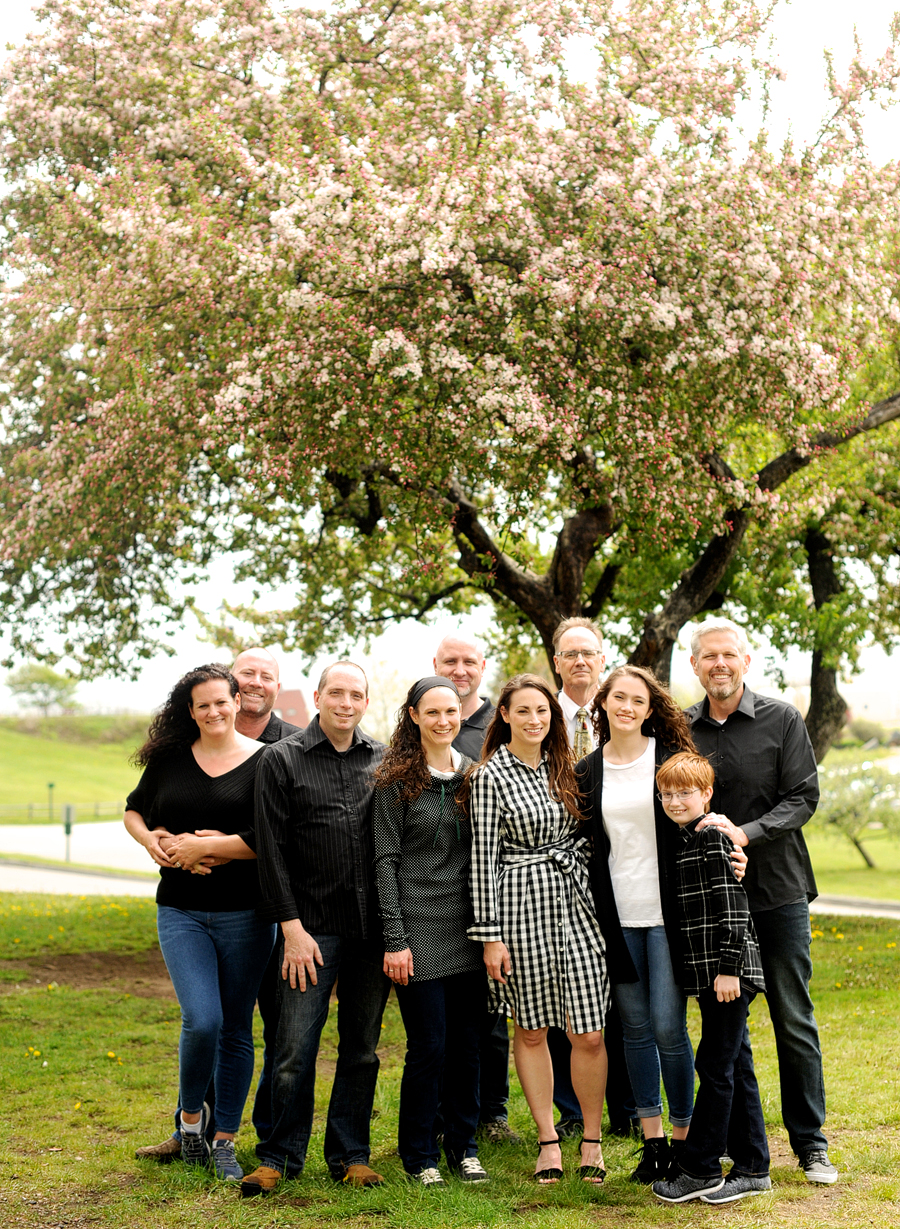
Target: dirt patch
{"points": [[140, 973]]}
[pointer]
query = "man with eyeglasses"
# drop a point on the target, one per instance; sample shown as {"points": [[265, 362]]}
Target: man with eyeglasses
{"points": [[767, 785], [579, 659]]}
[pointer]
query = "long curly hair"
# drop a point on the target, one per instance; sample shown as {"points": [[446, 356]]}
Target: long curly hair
{"points": [[404, 760], [666, 723], [560, 759], [173, 728]]}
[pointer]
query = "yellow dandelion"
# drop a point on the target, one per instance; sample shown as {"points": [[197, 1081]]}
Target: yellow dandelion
{"points": [[37, 1053], [110, 1054], [889, 945], [837, 985], [77, 1105]]}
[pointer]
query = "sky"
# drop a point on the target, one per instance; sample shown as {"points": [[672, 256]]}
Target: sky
{"points": [[802, 30]]}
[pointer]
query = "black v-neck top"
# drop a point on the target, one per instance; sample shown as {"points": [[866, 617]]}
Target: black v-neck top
{"points": [[178, 795]]}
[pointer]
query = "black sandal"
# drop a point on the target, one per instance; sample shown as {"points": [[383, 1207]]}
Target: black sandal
{"points": [[594, 1174], [547, 1176]]}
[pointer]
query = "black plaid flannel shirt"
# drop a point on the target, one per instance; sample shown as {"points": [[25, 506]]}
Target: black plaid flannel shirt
{"points": [[718, 931]]}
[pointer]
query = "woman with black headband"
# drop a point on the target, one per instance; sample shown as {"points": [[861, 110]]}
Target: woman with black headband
{"points": [[422, 853]]}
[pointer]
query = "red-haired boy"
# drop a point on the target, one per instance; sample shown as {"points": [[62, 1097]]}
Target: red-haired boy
{"points": [[723, 970]]}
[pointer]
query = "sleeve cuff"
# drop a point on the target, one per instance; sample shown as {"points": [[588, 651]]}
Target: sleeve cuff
{"points": [[753, 830], [283, 910], [485, 932]]}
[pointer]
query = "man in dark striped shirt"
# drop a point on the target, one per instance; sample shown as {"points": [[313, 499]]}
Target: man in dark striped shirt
{"points": [[316, 869]]}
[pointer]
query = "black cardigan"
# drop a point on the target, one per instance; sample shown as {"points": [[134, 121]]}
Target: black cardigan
{"points": [[589, 772]]}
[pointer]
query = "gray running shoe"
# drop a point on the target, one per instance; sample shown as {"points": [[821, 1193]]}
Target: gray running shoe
{"points": [[683, 1187], [739, 1186], [817, 1167], [194, 1148], [225, 1163]]}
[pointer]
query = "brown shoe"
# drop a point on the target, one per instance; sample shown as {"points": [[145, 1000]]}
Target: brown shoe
{"points": [[168, 1150], [361, 1175], [262, 1181]]}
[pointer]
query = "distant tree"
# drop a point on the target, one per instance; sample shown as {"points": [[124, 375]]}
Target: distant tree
{"points": [[859, 799], [42, 687]]}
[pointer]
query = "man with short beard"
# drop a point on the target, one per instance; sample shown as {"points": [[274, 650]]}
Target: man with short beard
{"points": [[767, 785]]}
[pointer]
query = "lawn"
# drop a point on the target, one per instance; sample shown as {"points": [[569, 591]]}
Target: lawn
{"points": [[89, 1032], [82, 774]]}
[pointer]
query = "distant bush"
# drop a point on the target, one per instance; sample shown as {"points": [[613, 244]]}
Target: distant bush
{"points": [[865, 731], [86, 729]]}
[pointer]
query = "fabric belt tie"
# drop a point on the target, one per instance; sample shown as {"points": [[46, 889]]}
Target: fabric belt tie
{"points": [[567, 857]]}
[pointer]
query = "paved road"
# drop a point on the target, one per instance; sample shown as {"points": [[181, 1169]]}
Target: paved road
{"points": [[16, 878], [105, 845]]}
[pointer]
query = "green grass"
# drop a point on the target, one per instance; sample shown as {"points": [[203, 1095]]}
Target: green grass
{"points": [[840, 871], [82, 774], [69, 1128]]}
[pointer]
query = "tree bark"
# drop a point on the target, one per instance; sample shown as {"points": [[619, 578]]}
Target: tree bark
{"points": [[827, 707]]}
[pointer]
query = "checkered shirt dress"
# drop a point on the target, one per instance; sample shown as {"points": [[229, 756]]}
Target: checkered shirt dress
{"points": [[530, 890]]}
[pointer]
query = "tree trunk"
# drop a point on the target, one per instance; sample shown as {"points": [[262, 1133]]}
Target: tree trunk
{"points": [[827, 707]]}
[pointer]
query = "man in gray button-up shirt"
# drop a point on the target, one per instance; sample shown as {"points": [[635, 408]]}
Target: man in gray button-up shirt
{"points": [[767, 785]]}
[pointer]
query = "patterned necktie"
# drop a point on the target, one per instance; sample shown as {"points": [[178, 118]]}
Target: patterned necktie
{"points": [[583, 745]]}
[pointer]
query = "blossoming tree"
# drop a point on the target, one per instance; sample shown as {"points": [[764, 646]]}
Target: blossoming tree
{"points": [[381, 300]]}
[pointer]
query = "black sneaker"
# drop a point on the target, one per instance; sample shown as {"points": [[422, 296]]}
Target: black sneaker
{"points": [[569, 1128], [654, 1163], [194, 1148], [684, 1187], [739, 1186], [817, 1167]]}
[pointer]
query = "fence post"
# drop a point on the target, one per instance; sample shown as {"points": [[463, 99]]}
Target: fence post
{"points": [[68, 820]]}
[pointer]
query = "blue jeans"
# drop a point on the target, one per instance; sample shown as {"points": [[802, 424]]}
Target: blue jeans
{"points": [[356, 966], [215, 961], [654, 1021], [728, 1114], [784, 939], [442, 1017]]}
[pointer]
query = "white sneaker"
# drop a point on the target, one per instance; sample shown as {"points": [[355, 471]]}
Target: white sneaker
{"points": [[470, 1169], [428, 1177]]}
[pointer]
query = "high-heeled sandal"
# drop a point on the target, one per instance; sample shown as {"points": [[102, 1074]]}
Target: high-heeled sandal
{"points": [[594, 1174], [547, 1177]]}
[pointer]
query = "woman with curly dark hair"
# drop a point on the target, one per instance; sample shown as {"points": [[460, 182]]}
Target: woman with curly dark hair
{"points": [[193, 812], [534, 913], [422, 854], [639, 726]]}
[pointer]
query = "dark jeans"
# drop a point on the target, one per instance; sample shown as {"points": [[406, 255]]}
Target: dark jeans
{"points": [[441, 1017], [728, 1113], [267, 1001], [494, 1063], [215, 962], [619, 1097], [356, 967], [784, 939]]}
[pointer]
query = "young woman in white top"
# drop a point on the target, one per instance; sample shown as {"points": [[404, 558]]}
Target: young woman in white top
{"points": [[639, 726]]}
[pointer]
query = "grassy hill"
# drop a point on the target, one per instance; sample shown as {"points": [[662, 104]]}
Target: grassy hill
{"points": [[85, 757]]}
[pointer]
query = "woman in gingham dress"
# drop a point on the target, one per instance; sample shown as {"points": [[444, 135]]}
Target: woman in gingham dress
{"points": [[534, 911]]}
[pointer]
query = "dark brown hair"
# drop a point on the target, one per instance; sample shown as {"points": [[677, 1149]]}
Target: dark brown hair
{"points": [[667, 722], [173, 727], [687, 770], [560, 759], [404, 761]]}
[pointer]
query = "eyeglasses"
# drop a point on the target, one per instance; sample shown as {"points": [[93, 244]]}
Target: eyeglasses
{"points": [[574, 654], [681, 795]]}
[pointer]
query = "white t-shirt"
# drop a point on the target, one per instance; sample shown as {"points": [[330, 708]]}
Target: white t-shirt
{"points": [[631, 827]]}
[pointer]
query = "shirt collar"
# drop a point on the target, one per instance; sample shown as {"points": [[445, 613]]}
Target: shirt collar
{"points": [[689, 830], [747, 706], [570, 708], [480, 717], [314, 736]]}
